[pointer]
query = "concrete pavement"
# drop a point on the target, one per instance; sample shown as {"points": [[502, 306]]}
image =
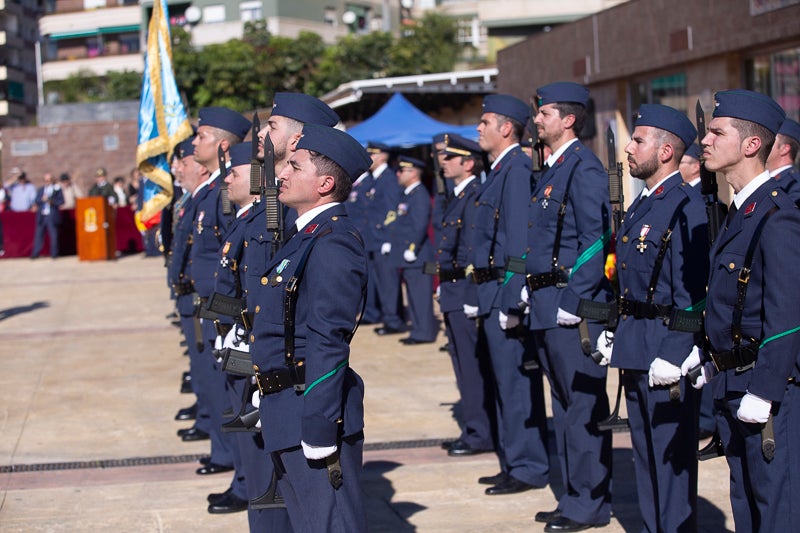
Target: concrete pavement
{"points": [[89, 378]]}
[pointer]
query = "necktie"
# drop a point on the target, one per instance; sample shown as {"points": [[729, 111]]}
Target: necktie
{"points": [[289, 234], [731, 214]]}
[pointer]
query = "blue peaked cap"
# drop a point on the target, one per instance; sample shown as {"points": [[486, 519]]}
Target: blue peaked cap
{"points": [[304, 108], [185, 148], [669, 119], [695, 151], [790, 128], [507, 105], [749, 105], [562, 91], [240, 154], [405, 161], [337, 146], [458, 145]]}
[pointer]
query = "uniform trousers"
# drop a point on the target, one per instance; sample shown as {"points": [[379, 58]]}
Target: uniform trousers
{"points": [[579, 401], [419, 289], [521, 416], [474, 378], [664, 438], [764, 495], [314, 505], [387, 279], [203, 418], [211, 385]]}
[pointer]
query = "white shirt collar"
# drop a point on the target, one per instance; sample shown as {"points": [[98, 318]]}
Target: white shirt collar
{"points": [[647, 192], [241, 211], [502, 154], [308, 216], [773, 173], [205, 183], [411, 187], [694, 182], [463, 185], [378, 171], [550, 161], [740, 197]]}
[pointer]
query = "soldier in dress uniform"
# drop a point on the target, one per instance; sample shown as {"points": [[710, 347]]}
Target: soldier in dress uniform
{"points": [[501, 220], [404, 239], [690, 165], [217, 127], [461, 165], [569, 229], [752, 321], [661, 250], [191, 174], [310, 400], [782, 159], [383, 197]]}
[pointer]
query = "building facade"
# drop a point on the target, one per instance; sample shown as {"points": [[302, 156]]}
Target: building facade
{"points": [[18, 81]]}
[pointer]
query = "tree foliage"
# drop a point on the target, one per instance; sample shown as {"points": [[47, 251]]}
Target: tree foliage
{"points": [[245, 73]]}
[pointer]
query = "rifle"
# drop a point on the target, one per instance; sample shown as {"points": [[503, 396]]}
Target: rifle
{"points": [[272, 206], [616, 198], [708, 184], [256, 169], [223, 188]]}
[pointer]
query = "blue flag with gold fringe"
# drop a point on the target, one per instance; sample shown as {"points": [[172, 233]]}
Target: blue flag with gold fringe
{"points": [[162, 119]]}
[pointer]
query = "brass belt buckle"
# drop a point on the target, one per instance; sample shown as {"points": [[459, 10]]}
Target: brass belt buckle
{"points": [[744, 275], [258, 380]]}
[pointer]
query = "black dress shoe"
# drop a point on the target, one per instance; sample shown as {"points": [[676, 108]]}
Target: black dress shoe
{"points": [[187, 413], [510, 486], [204, 460], [444, 347], [461, 448], [408, 341], [183, 343], [385, 330], [562, 524], [213, 468], [186, 387], [217, 496], [447, 444], [547, 516], [493, 480], [228, 504], [194, 434], [184, 431]]}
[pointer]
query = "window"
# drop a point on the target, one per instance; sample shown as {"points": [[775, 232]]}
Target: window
{"points": [[666, 90], [212, 14], [330, 16], [778, 75], [469, 31], [250, 11], [128, 43]]}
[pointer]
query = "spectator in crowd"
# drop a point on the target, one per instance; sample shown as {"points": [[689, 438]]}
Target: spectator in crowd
{"points": [[102, 187], [69, 191], [120, 191], [48, 217], [21, 193]]}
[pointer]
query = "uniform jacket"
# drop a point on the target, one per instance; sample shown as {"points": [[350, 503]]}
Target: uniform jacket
{"points": [[584, 235], [177, 270], [682, 278], [384, 195], [258, 249], [409, 227], [456, 247], [789, 180], [357, 204], [772, 295], [229, 278], [328, 304], [508, 187], [208, 234]]}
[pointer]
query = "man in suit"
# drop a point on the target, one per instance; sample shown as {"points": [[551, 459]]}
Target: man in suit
{"points": [[502, 227], [752, 317], [310, 400], [384, 196], [405, 241], [661, 250], [461, 164], [782, 158], [48, 217], [567, 238], [217, 127]]}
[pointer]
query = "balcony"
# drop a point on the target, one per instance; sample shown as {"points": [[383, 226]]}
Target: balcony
{"points": [[100, 65], [59, 26]]}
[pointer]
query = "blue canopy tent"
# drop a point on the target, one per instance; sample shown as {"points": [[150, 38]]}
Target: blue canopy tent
{"points": [[399, 123]]}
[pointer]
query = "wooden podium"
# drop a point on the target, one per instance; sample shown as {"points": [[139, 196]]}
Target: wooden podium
{"points": [[95, 229]]}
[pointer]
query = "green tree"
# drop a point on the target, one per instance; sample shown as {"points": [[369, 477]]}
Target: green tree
{"points": [[230, 77], [353, 58], [125, 85], [426, 47]]}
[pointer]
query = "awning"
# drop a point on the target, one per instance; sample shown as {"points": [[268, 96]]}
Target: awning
{"points": [[131, 28]]}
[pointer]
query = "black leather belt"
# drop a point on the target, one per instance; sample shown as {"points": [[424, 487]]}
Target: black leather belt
{"points": [[183, 288], [557, 278], [454, 274], [740, 357], [485, 275], [274, 381], [676, 319]]}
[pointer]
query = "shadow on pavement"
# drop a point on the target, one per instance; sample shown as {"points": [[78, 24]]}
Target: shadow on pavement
{"points": [[20, 309], [384, 515]]}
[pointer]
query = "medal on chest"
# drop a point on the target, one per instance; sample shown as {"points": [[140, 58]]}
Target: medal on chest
{"points": [[546, 199], [642, 246], [200, 222]]}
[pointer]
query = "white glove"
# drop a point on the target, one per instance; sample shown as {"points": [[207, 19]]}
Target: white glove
{"points": [[409, 256], [317, 452], [692, 361], [508, 321], [256, 399], [605, 345], [218, 343], [230, 339], [386, 248], [663, 373], [470, 310], [564, 318], [524, 296], [753, 409], [438, 293]]}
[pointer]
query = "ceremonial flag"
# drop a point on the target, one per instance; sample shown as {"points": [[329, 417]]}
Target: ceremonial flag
{"points": [[162, 118]]}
